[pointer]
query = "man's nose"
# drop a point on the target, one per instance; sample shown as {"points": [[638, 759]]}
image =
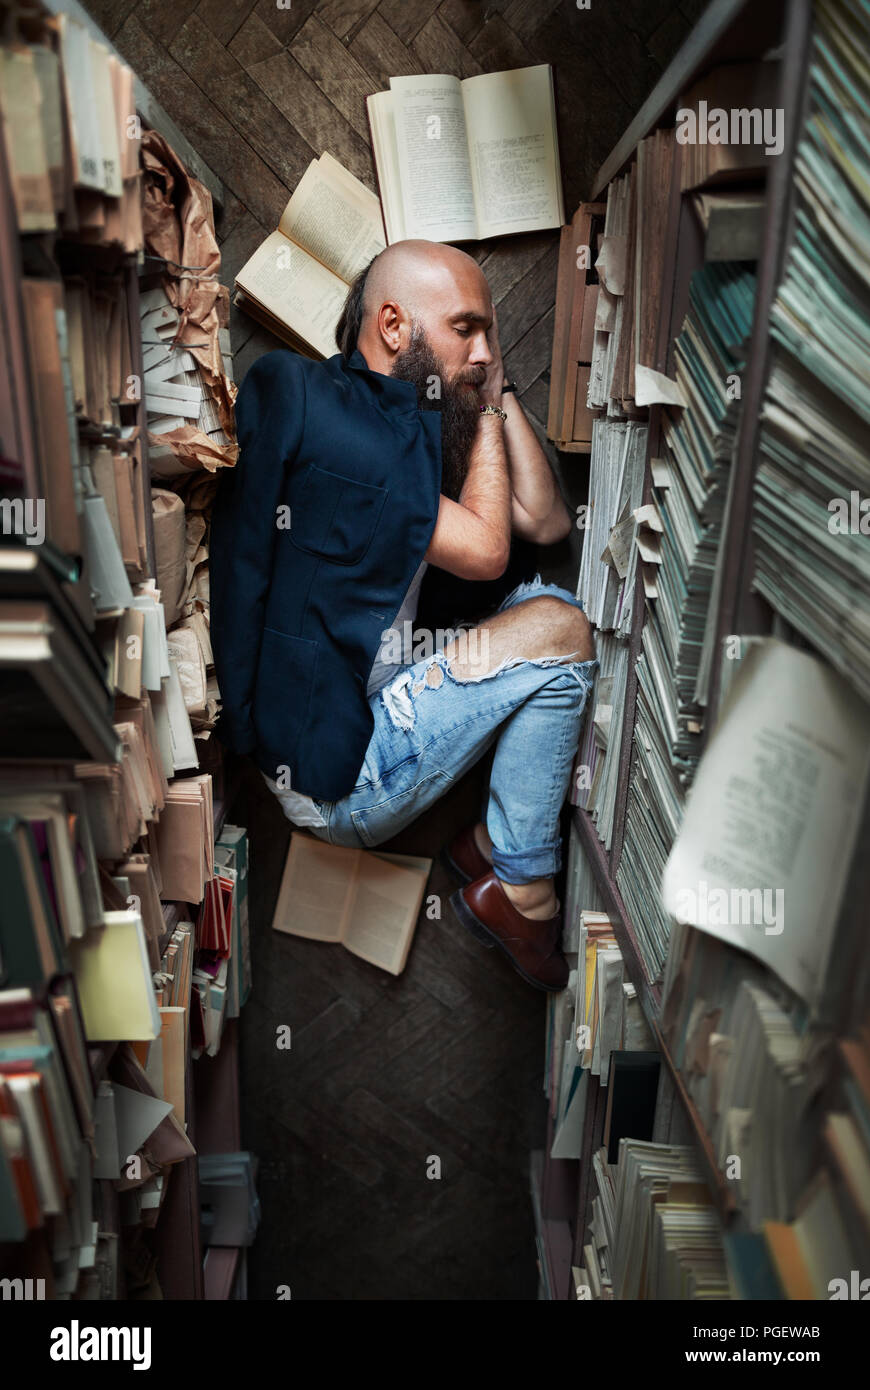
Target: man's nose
{"points": [[481, 354]]}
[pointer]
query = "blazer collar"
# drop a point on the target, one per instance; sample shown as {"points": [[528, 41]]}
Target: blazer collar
{"points": [[393, 393]]}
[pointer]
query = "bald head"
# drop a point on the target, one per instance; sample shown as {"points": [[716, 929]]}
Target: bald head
{"points": [[439, 288], [413, 272]]}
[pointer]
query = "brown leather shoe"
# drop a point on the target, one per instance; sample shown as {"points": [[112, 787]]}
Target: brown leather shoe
{"points": [[532, 946], [465, 859]]}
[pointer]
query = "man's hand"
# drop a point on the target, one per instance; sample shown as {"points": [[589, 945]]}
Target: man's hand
{"points": [[490, 391]]}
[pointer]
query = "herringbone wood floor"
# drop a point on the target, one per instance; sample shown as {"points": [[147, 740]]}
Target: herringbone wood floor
{"points": [[447, 1060]]}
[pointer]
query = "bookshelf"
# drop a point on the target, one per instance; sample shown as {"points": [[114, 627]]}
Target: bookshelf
{"points": [[115, 754], [728, 32], [152, 113]]}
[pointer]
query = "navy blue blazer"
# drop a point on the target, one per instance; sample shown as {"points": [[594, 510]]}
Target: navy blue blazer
{"points": [[299, 599]]}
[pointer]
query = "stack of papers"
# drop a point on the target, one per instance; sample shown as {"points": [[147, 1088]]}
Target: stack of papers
{"points": [[813, 478], [616, 468], [596, 773], [667, 1235], [677, 540]]}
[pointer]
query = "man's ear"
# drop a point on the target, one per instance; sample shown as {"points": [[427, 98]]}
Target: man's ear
{"points": [[392, 326]]}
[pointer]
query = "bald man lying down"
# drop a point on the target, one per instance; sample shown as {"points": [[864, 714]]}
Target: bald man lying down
{"points": [[401, 451]]}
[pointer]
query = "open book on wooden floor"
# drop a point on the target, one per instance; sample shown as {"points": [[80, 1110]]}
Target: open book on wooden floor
{"points": [[369, 902], [295, 284], [459, 161]]}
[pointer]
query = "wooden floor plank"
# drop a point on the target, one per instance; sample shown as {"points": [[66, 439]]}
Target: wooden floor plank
{"points": [[498, 48], [344, 17], [506, 264], [162, 19], [391, 1133], [209, 131], [285, 20], [526, 19], [249, 342], [253, 42], [307, 110], [239, 245], [464, 17], [384, 1034], [536, 402], [224, 18], [241, 100], [407, 17], [439, 50], [381, 52], [531, 355], [229, 215], [203, 57], [529, 298], [337, 73]]}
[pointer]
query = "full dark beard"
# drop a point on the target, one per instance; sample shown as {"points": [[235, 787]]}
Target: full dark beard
{"points": [[459, 407]]}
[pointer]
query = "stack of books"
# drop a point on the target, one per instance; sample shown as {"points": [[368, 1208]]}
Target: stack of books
{"points": [[606, 584], [690, 482], [810, 520], [739, 867], [123, 927], [592, 1025], [667, 1237], [606, 581], [581, 890], [71, 133]]}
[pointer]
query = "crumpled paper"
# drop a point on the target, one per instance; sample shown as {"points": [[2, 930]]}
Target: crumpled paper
{"points": [[178, 226]]}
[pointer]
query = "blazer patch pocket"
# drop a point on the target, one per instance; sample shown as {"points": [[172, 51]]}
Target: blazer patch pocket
{"points": [[334, 517]]}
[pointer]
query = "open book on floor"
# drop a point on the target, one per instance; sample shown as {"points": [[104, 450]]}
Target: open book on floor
{"points": [[368, 902], [459, 161], [296, 283]]}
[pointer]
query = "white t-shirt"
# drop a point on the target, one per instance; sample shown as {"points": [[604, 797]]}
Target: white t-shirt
{"points": [[301, 809], [382, 671]]}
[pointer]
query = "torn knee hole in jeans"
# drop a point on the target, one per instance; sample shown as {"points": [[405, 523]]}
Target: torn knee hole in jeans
{"points": [[434, 678], [397, 695]]}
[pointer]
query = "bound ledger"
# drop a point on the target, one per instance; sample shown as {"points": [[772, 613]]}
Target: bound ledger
{"points": [[459, 161], [368, 902], [297, 281]]}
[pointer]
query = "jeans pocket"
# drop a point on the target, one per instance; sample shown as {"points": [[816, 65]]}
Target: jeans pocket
{"points": [[387, 817]]}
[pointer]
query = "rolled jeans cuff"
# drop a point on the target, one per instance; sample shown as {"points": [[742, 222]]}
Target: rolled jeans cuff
{"points": [[544, 862]]}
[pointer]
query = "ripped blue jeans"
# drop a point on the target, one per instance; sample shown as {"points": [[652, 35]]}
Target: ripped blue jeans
{"points": [[430, 728]]}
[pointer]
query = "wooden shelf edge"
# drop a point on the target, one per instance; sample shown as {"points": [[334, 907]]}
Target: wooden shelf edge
{"points": [[711, 27], [554, 1234]]}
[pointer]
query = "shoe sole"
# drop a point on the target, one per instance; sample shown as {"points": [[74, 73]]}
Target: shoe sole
{"points": [[466, 917]]}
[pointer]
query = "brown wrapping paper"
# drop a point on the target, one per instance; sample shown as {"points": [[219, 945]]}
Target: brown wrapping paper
{"points": [[179, 226], [189, 660], [170, 558]]}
